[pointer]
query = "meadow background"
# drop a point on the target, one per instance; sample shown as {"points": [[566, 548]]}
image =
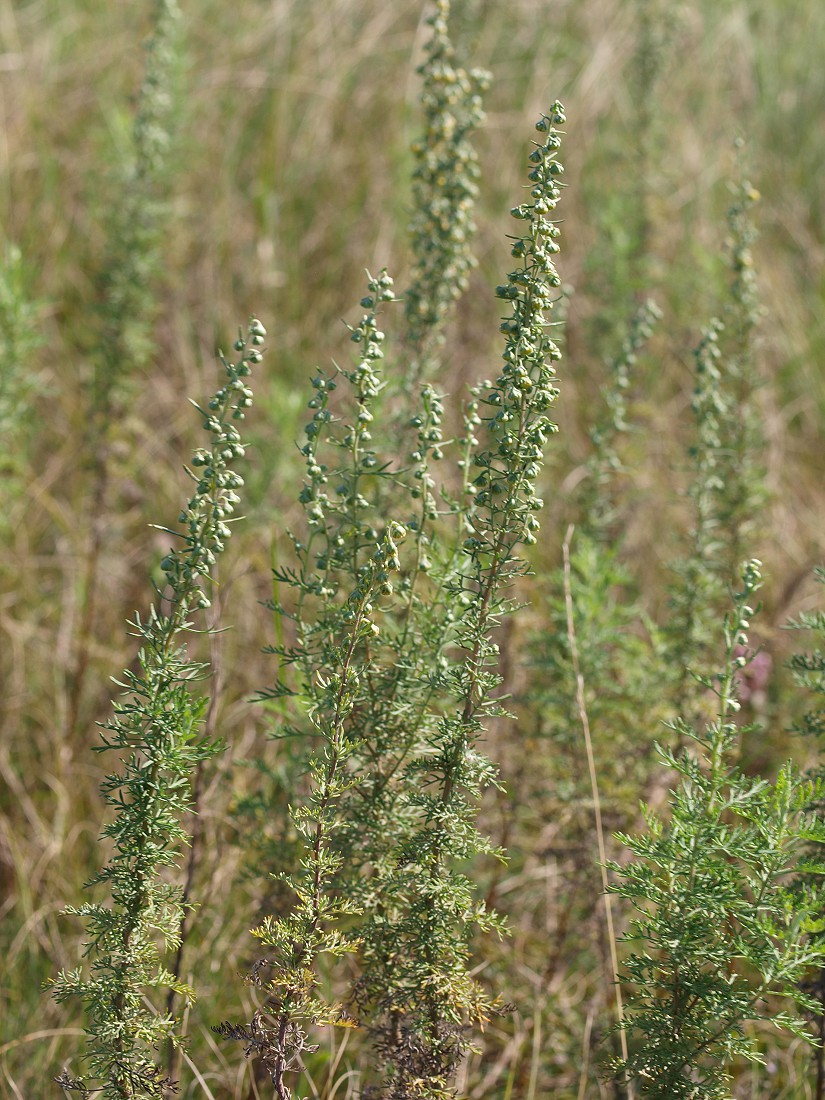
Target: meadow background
{"points": [[289, 175]]}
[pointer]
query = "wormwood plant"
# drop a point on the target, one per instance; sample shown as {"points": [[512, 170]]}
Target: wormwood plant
{"points": [[343, 568], [393, 616], [445, 186], [720, 931], [416, 985], [128, 300], [701, 580], [809, 673], [615, 656], [592, 747], [157, 729], [727, 488], [19, 337], [744, 439]]}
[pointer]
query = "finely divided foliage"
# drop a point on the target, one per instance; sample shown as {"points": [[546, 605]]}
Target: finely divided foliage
{"points": [[395, 602], [719, 927], [445, 185], [809, 673], [157, 727]]}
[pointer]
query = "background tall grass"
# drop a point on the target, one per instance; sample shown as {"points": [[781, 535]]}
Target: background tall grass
{"points": [[290, 173]]}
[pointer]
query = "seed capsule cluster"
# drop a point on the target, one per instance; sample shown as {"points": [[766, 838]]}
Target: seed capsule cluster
{"points": [[517, 424], [444, 182], [215, 497]]}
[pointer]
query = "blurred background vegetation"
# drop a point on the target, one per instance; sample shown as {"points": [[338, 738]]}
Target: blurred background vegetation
{"points": [[289, 173]]}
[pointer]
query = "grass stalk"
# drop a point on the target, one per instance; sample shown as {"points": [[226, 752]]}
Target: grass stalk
{"points": [[597, 808]]}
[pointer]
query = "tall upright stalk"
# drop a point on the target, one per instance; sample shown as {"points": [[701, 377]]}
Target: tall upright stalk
{"points": [[128, 308]]}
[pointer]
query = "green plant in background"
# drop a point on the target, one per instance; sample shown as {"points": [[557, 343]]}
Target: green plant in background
{"points": [[727, 490], [445, 186], [598, 501], [654, 24], [135, 222], [719, 929], [19, 338], [158, 727], [744, 497], [700, 587], [595, 657], [622, 263], [616, 643], [809, 673]]}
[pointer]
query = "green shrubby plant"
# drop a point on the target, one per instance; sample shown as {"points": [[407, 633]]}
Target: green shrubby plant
{"points": [[720, 931], [726, 488], [393, 617], [157, 728], [445, 186], [343, 567], [423, 936], [421, 940], [809, 673], [745, 495], [128, 304], [441, 231], [20, 337], [594, 660]]}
